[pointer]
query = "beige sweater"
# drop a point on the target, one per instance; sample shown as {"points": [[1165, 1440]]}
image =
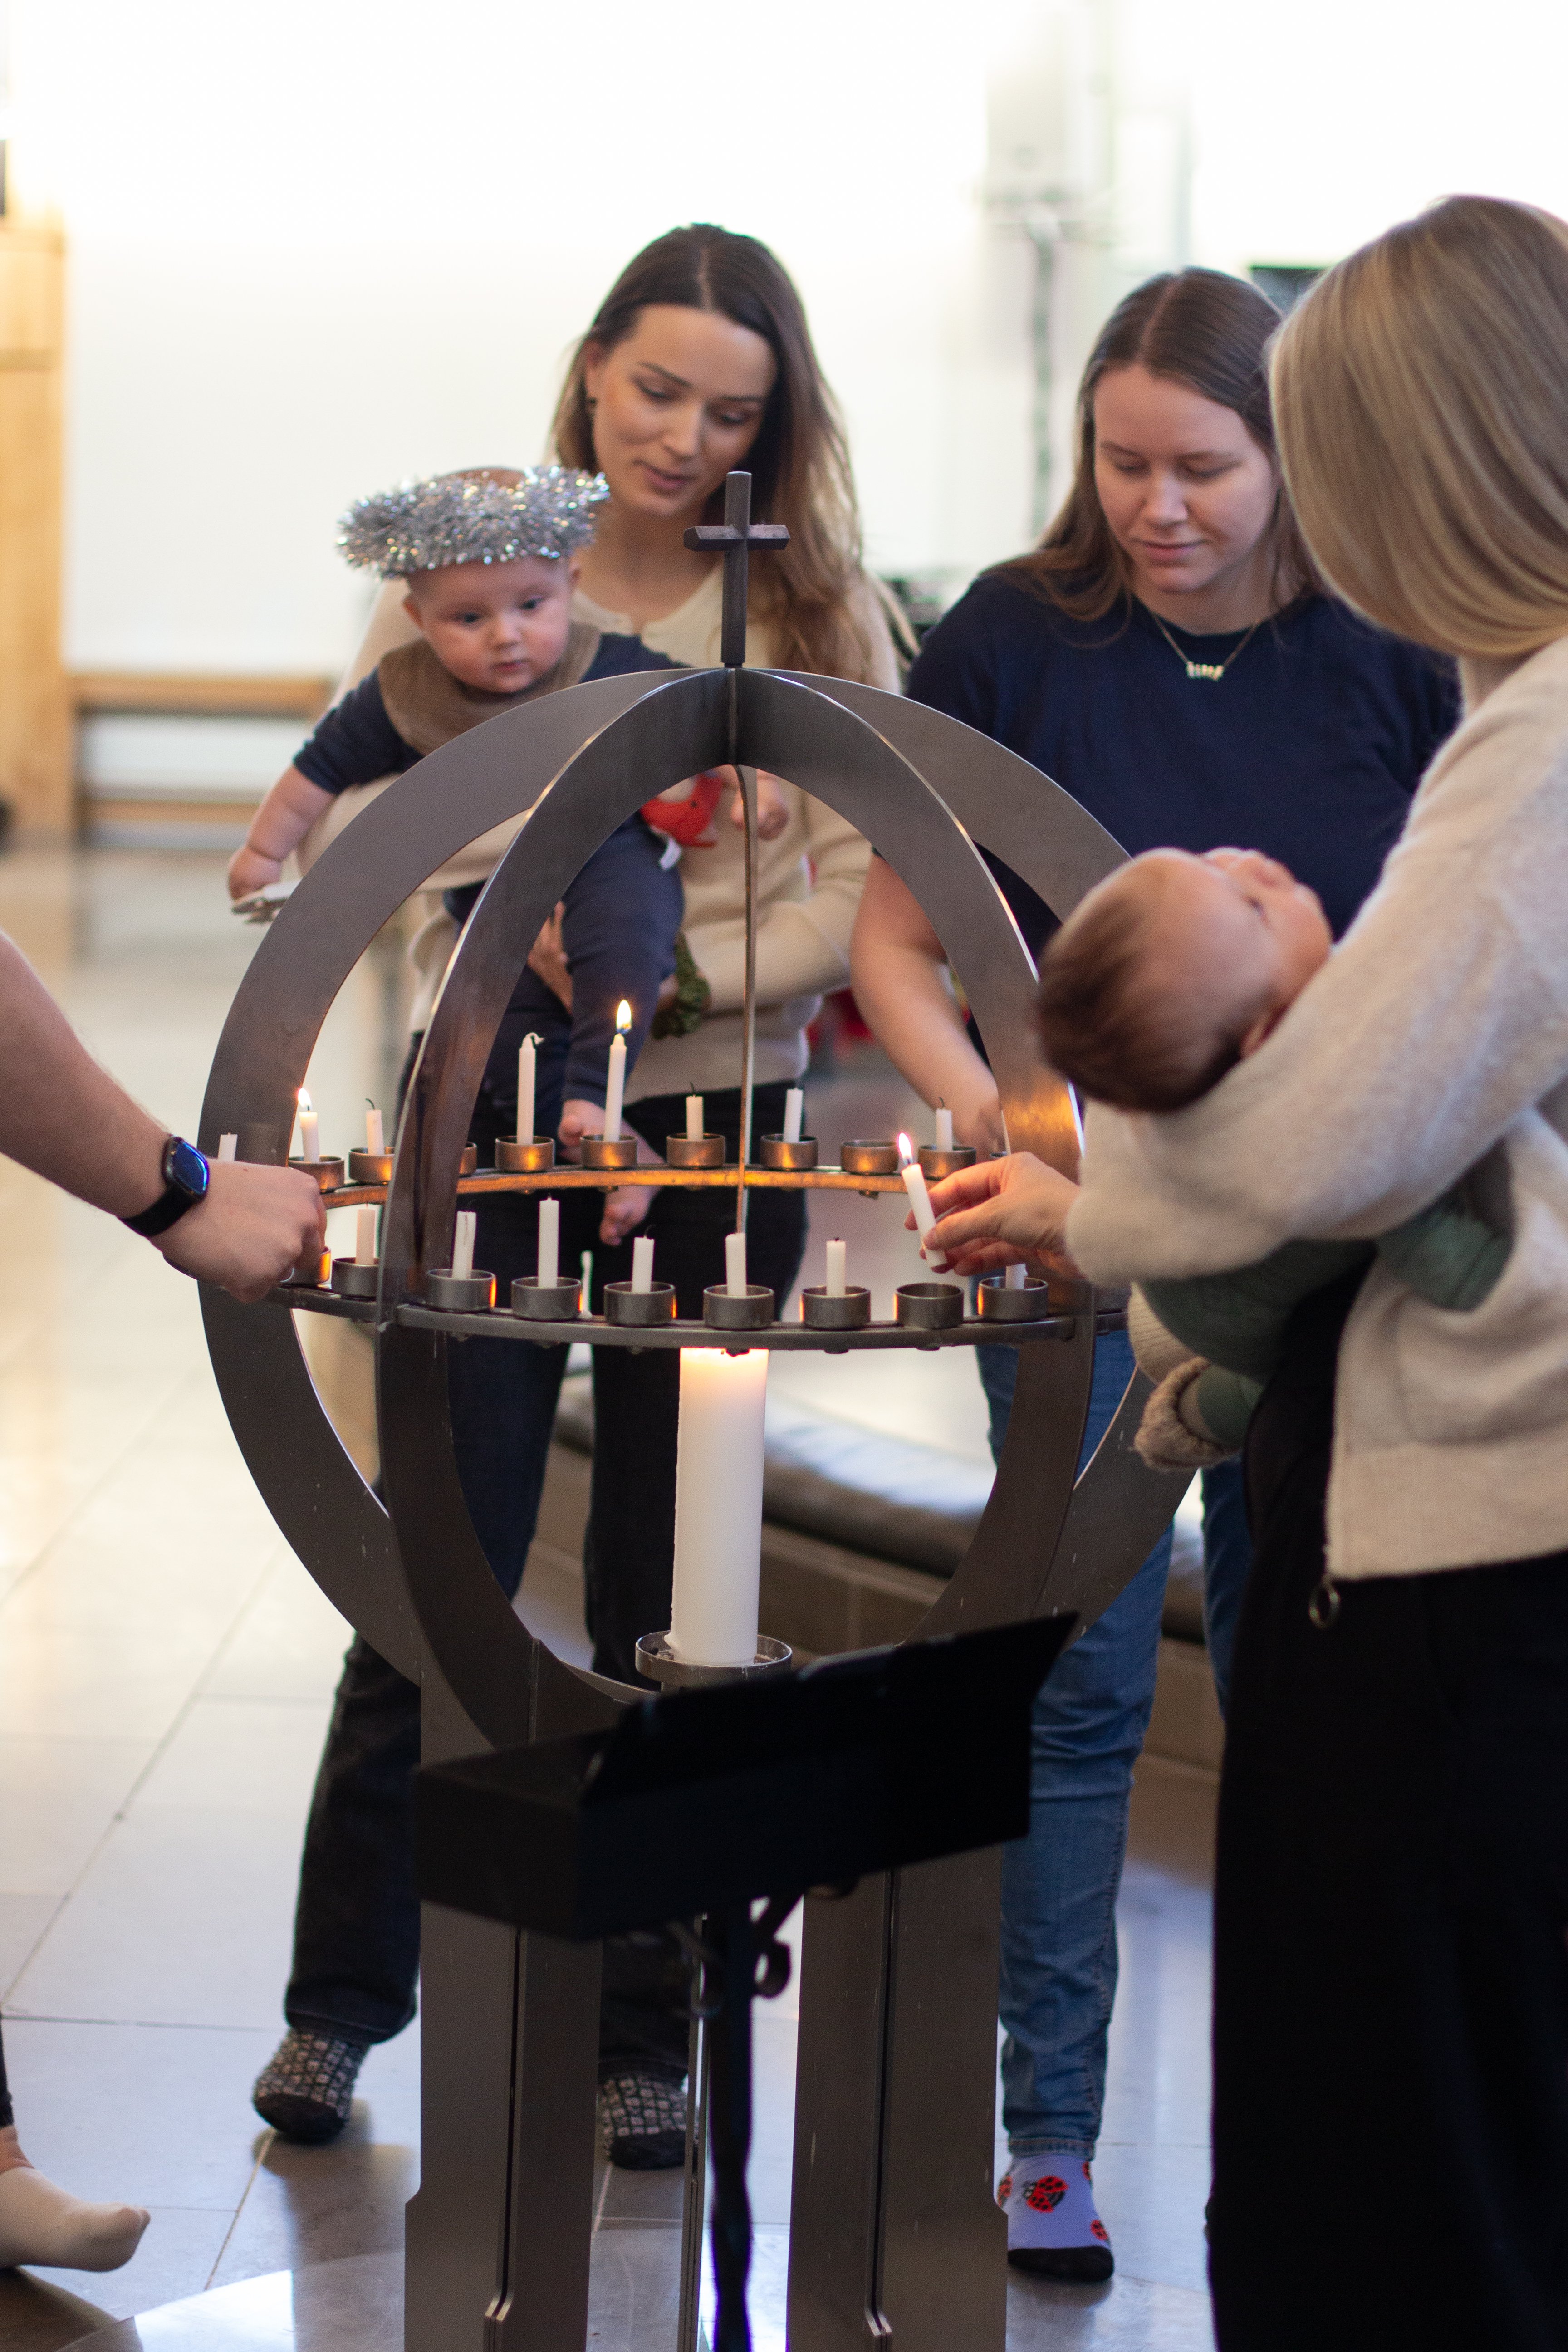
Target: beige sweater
{"points": [[1435, 1041], [809, 879]]}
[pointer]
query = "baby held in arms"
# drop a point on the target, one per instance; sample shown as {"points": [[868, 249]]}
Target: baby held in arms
{"points": [[1170, 972]]}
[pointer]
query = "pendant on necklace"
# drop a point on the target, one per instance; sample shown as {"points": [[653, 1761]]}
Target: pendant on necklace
{"points": [[1212, 671]]}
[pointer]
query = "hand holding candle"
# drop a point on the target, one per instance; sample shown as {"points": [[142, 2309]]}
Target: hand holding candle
{"points": [[794, 1115], [365, 1237], [920, 1199], [837, 1269], [526, 1070], [735, 1265], [463, 1241], [615, 1093], [642, 1262], [310, 1129]]}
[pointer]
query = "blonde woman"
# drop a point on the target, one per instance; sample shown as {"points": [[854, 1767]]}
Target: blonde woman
{"points": [[1390, 2018]]}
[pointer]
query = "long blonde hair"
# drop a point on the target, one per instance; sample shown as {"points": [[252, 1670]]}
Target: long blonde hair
{"points": [[1421, 401]]}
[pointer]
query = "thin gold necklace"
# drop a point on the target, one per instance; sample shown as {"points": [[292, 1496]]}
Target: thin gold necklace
{"points": [[1212, 671]]}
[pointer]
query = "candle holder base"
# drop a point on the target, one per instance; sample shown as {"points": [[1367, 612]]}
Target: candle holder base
{"points": [[863, 1159], [370, 1167], [544, 1302], [515, 1158], [1000, 1303], [850, 1311], [754, 1312], [328, 1173], [694, 1150], [599, 1151], [779, 1153], [352, 1280], [318, 1279], [657, 1662], [936, 1163], [928, 1306], [623, 1304], [460, 1293], [468, 1159]]}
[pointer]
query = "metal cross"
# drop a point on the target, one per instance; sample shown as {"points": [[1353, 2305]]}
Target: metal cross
{"points": [[734, 538]]}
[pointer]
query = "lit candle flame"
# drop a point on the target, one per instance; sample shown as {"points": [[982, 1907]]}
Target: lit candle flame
{"points": [[623, 1014], [305, 1102], [906, 1153]]}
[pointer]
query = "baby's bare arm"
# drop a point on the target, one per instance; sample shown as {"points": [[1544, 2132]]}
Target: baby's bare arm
{"points": [[280, 825]]}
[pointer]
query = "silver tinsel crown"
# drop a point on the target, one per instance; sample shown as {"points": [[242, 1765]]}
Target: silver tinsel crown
{"points": [[420, 526]]}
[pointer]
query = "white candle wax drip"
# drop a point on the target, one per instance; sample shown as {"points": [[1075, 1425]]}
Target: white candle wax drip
{"points": [[794, 1115], [718, 1505], [228, 1147], [694, 1118], [920, 1199], [375, 1134], [463, 1241], [549, 1243], [944, 1130], [837, 1269], [526, 1066], [642, 1262], [615, 1093], [364, 1234], [735, 1265]]}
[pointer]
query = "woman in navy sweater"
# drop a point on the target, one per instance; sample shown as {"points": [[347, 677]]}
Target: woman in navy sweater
{"points": [[1169, 656]]}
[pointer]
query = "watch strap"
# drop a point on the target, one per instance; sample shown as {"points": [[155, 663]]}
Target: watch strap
{"points": [[183, 1186]]}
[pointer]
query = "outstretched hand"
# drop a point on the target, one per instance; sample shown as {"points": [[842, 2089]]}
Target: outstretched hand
{"points": [[1003, 1212], [255, 1225]]}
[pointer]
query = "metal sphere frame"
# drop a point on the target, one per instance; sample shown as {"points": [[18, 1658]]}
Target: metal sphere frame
{"points": [[887, 2234]]}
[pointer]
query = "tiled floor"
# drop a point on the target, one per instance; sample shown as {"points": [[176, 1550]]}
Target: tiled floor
{"points": [[166, 1667]]}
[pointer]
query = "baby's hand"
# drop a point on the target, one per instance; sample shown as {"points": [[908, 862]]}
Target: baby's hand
{"points": [[248, 871], [772, 809]]}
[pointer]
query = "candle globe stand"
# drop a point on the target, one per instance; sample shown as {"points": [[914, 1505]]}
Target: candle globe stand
{"points": [[999, 1301], [695, 1150], [850, 1310], [657, 1662], [515, 1158], [937, 1163], [327, 1173], [370, 1167], [544, 1302], [316, 1277], [601, 1151], [928, 1306], [778, 1151], [639, 1308], [352, 1280], [752, 1311], [463, 1293], [860, 1158]]}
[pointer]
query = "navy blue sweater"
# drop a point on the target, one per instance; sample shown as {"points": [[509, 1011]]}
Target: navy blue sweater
{"points": [[1309, 749]]}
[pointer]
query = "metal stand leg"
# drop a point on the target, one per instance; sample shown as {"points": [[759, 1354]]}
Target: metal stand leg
{"points": [[688, 2336]]}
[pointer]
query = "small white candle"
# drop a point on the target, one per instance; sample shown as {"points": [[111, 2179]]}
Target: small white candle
{"points": [[526, 1068], [228, 1147], [642, 1262], [920, 1199], [375, 1134], [943, 1129], [549, 1243], [735, 1265], [694, 1118], [365, 1235], [1017, 1277], [616, 1094], [309, 1129], [463, 1241], [718, 1505], [794, 1115], [585, 1285], [837, 1268]]}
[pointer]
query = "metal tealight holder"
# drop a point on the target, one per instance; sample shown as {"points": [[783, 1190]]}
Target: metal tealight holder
{"points": [[459, 1294], [352, 1280], [694, 1150], [752, 1311], [600, 1151], [782, 1151], [328, 1173], [546, 1302], [516, 1157], [638, 1310]]}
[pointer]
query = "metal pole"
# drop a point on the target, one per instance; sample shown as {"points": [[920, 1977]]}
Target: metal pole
{"points": [[749, 1014], [693, 2209]]}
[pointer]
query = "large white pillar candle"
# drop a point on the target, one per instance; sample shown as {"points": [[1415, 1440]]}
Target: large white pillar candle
{"points": [[718, 1505], [735, 1265], [642, 1262], [375, 1134], [837, 1269], [615, 1093], [920, 1199], [309, 1129], [694, 1118], [463, 1241], [794, 1115], [526, 1073], [228, 1147], [943, 1129], [549, 1243], [365, 1237]]}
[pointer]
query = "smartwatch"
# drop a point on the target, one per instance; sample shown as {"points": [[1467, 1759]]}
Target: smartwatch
{"points": [[185, 1181]]}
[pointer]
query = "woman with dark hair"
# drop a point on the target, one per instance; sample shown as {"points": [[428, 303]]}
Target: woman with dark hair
{"points": [[699, 360], [1169, 655]]}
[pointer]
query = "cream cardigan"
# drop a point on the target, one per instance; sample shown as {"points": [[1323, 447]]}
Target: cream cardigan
{"points": [[1435, 1041]]}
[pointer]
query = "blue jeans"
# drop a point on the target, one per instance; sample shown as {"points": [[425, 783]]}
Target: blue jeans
{"points": [[1059, 1884]]}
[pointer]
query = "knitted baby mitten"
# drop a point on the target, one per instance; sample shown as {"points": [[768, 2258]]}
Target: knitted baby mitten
{"points": [[1053, 2228]]}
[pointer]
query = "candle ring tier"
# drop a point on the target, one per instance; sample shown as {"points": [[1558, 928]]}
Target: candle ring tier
{"points": [[928, 1306], [467, 1292], [327, 1173], [516, 1157], [694, 1150], [1001, 1302], [850, 1310], [937, 1161], [370, 1167], [352, 1280], [860, 1158], [626, 1307], [779, 1151], [600, 1151], [752, 1311], [657, 1662], [548, 1302]]}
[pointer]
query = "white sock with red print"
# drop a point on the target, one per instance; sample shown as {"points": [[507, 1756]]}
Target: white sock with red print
{"points": [[1053, 2227]]}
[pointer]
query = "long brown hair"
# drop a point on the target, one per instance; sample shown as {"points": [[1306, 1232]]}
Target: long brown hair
{"points": [[1196, 327], [799, 460]]}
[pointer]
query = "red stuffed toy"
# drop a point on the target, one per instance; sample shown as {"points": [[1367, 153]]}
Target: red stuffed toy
{"points": [[687, 821]]}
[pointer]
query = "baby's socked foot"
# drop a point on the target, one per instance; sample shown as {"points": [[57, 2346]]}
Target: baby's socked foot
{"points": [[51, 2230], [1053, 2228]]}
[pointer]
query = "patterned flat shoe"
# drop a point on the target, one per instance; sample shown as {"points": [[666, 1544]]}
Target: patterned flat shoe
{"points": [[307, 2087], [642, 2120]]}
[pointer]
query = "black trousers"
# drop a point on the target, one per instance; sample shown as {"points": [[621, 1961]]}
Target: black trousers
{"points": [[1391, 1974], [356, 1929]]}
